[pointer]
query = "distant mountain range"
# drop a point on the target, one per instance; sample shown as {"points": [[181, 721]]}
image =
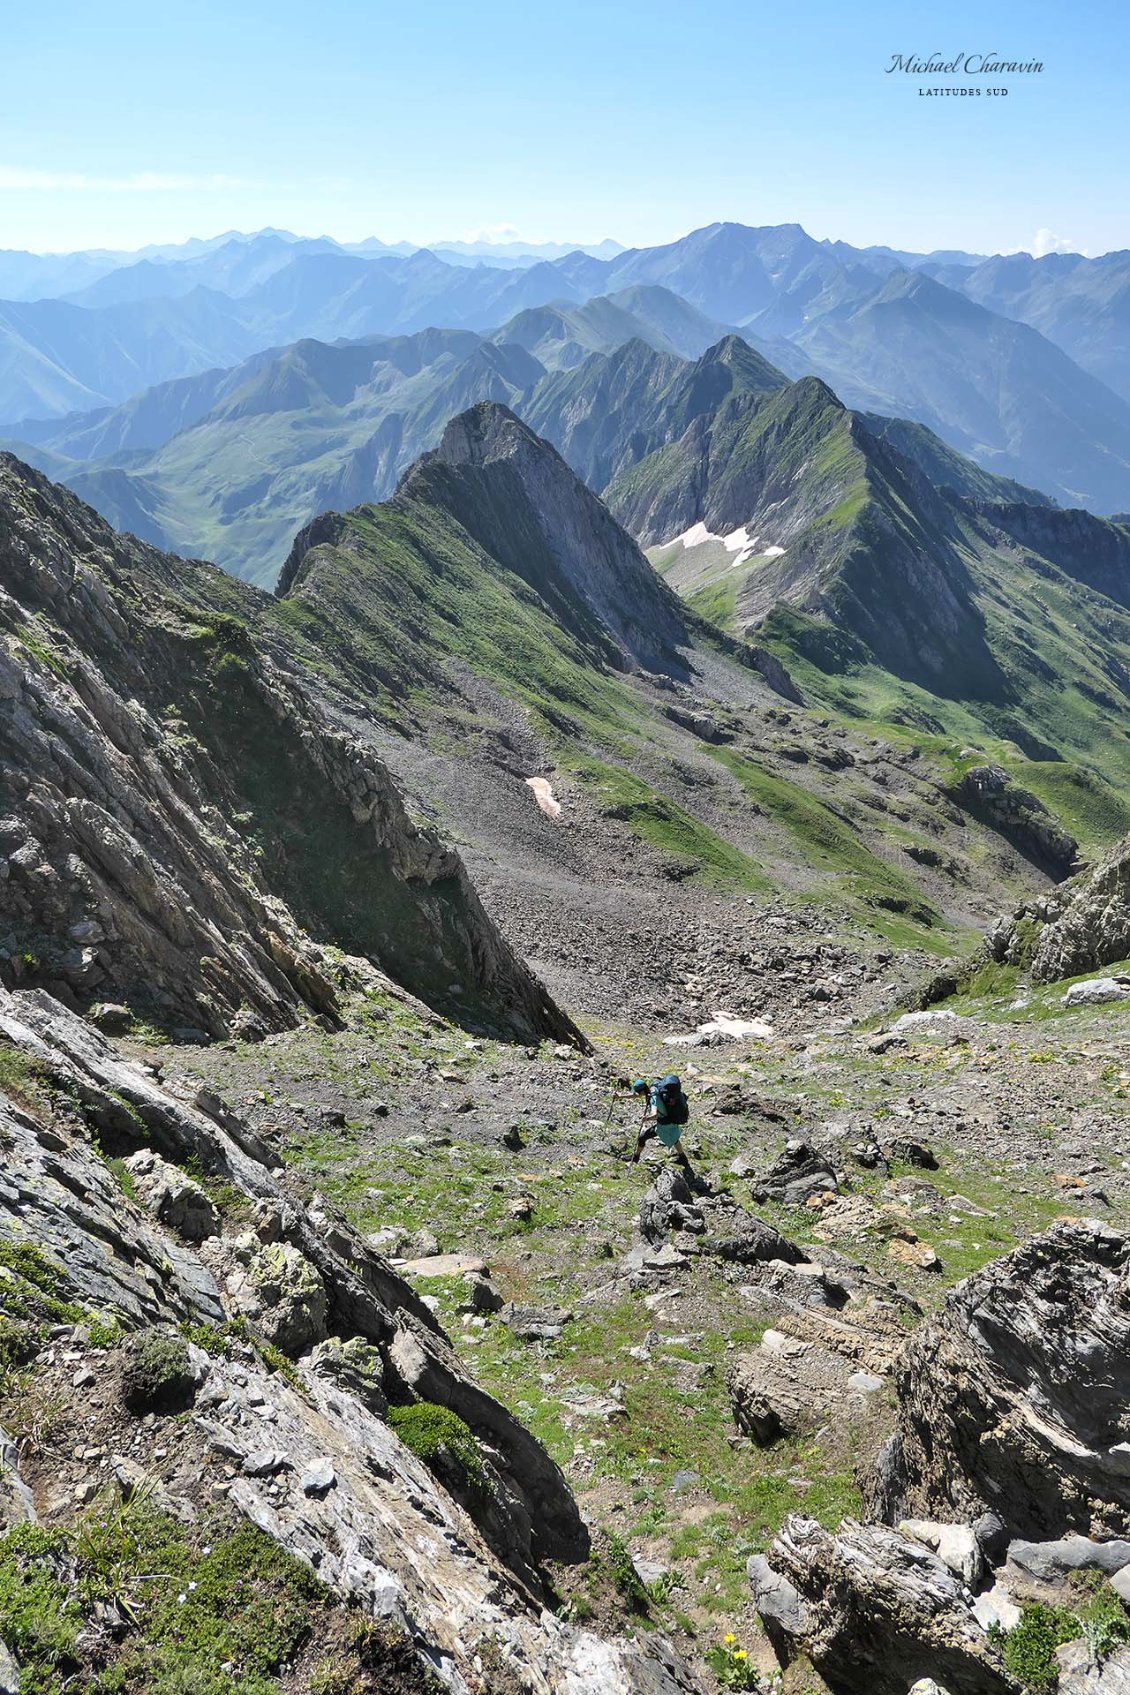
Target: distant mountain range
{"points": [[1022, 364], [46, 276], [649, 401]]}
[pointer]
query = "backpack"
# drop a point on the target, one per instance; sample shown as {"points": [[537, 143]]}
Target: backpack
{"points": [[673, 1104]]}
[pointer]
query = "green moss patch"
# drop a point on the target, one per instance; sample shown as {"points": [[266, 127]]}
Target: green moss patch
{"points": [[440, 1438], [209, 1609]]}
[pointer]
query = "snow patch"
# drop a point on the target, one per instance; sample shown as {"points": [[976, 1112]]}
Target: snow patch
{"points": [[723, 1027], [739, 542], [543, 794], [694, 537]]}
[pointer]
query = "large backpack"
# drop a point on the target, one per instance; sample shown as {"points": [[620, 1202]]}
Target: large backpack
{"points": [[674, 1106]]}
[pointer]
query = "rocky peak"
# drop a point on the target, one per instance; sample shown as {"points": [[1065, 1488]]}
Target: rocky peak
{"points": [[516, 496]]}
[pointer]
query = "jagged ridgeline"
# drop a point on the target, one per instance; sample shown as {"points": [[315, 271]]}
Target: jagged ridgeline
{"points": [[202, 810], [189, 823]]}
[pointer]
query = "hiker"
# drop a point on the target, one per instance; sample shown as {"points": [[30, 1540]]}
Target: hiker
{"points": [[665, 1116]]}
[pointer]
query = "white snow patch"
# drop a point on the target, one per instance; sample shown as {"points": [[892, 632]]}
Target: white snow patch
{"points": [[772, 552], [543, 794], [723, 1027], [694, 537], [738, 540]]}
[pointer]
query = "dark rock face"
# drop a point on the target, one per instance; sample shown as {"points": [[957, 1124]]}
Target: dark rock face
{"points": [[798, 1172], [1020, 816], [1095, 551], [179, 815], [1015, 1398]]}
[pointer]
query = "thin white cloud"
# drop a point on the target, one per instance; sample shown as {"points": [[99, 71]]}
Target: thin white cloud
{"points": [[1046, 241], [138, 182]]}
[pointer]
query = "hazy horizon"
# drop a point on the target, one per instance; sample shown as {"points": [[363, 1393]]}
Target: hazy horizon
{"points": [[507, 237]]}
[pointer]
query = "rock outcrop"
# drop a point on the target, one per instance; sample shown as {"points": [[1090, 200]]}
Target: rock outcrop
{"points": [[1020, 816], [1090, 925], [1015, 1397], [307, 1452], [186, 821], [874, 1610]]}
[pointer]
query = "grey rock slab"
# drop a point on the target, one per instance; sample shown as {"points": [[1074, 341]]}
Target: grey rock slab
{"points": [[9, 1671], [996, 1607], [776, 1599], [265, 1462], [1050, 1562]]}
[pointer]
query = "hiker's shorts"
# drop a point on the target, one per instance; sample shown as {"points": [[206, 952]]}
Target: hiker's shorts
{"points": [[669, 1134]]}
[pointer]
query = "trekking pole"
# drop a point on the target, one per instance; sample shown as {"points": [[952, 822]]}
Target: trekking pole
{"points": [[612, 1099]]}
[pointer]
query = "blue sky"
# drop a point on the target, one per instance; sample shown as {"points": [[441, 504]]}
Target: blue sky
{"points": [[125, 123]]}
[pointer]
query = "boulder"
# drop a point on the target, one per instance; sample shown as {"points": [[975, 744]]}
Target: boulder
{"points": [[785, 1388], [1051, 1562], [797, 1173], [668, 1207], [534, 1324], [875, 1611], [1081, 1673], [1098, 991], [956, 1545], [172, 1196], [1014, 1397], [743, 1239], [356, 1365], [927, 1023], [276, 1288]]}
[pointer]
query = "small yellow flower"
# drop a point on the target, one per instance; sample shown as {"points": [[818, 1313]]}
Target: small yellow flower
{"points": [[729, 1637], [740, 1654]]}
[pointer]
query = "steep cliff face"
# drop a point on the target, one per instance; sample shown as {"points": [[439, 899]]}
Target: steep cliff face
{"points": [[246, 1366], [183, 823], [1094, 551]]}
